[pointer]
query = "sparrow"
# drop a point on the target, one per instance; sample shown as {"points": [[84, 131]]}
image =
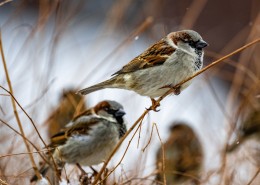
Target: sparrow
{"points": [[183, 156], [250, 128], [160, 67], [89, 138], [70, 104]]}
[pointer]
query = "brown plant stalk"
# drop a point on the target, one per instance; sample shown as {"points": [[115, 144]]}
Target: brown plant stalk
{"points": [[22, 136], [157, 103], [15, 112]]}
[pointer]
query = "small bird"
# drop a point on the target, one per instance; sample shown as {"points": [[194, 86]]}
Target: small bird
{"points": [[183, 156], [160, 67], [249, 129], [89, 138]]}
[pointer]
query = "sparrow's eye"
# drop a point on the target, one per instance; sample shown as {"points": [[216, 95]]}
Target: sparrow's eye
{"points": [[109, 110], [106, 108], [190, 42]]}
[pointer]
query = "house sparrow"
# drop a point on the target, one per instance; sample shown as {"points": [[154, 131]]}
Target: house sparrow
{"points": [[89, 138], [160, 67], [249, 129], [70, 104], [183, 156]]}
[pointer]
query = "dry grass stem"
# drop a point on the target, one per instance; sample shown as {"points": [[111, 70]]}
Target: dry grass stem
{"points": [[15, 112], [46, 146], [254, 177], [121, 159], [2, 3], [150, 138], [23, 153], [163, 154], [2, 182], [192, 15]]}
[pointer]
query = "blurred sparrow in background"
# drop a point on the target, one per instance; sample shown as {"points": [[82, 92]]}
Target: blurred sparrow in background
{"points": [[162, 66], [250, 128], [70, 104], [183, 157], [89, 138]]}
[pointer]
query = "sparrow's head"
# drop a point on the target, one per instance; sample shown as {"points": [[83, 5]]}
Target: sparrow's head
{"points": [[191, 42], [108, 108], [187, 39]]}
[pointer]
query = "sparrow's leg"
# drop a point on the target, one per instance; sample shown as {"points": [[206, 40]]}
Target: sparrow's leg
{"points": [[84, 179], [154, 106], [94, 171], [176, 90], [81, 169]]}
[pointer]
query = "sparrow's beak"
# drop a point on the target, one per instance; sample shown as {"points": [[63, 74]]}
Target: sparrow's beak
{"points": [[120, 113], [201, 44]]}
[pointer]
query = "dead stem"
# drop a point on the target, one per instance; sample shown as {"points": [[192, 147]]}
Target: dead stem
{"points": [[139, 135], [194, 11], [163, 154], [232, 128], [3, 182], [162, 97], [22, 136], [149, 141], [9, 92], [129, 142], [15, 111], [46, 146], [22, 153], [254, 177], [2, 3]]}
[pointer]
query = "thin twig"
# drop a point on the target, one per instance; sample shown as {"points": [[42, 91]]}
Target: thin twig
{"points": [[9, 92], [157, 102], [2, 182], [22, 153], [1, 4], [21, 136], [46, 146], [121, 159], [163, 154], [149, 141], [139, 135], [15, 112], [254, 177]]}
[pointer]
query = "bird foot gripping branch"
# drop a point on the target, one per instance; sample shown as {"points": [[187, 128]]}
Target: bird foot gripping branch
{"points": [[154, 106]]}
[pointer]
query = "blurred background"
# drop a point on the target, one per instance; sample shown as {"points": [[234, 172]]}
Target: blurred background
{"points": [[55, 47]]}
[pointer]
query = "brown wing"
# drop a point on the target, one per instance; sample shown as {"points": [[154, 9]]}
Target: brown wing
{"points": [[80, 127], [87, 112], [153, 56]]}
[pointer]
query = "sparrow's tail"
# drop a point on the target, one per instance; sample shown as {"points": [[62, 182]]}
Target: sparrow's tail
{"points": [[43, 170], [111, 83]]}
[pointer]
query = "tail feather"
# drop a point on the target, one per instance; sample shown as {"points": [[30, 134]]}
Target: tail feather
{"points": [[103, 85]]}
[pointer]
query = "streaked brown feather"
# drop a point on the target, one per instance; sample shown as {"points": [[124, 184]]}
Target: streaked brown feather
{"points": [[154, 56], [86, 113], [58, 139], [80, 128]]}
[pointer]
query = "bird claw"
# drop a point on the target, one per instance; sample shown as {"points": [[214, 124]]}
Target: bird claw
{"points": [[176, 90], [154, 106]]}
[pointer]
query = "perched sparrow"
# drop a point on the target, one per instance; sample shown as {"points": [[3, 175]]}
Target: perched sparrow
{"points": [[162, 66], [89, 138], [183, 156], [70, 104], [250, 128]]}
